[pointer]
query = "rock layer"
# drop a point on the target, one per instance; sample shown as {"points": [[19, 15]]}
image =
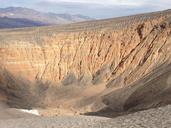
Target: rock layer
{"points": [[96, 53]]}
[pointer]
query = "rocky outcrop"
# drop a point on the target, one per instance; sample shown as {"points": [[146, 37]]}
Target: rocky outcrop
{"points": [[108, 52], [153, 88], [115, 52]]}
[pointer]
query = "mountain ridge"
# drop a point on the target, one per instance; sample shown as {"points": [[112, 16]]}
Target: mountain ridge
{"points": [[6, 22], [40, 17]]}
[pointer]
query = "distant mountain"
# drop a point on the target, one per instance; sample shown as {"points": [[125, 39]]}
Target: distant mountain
{"points": [[45, 18], [6, 22]]}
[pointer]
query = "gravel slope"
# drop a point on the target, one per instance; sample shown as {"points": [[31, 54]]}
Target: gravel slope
{"points": [[153, 118], [58, 122]]}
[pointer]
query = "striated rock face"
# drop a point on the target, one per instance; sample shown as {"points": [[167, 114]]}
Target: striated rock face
{"points": [[116, 52], [132, 50]]}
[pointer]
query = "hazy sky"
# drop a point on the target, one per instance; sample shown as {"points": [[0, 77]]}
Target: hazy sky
{"points": [[92, 8]]}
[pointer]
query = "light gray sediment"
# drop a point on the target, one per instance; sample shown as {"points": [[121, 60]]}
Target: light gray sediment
{"points": [[152, 118]]}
